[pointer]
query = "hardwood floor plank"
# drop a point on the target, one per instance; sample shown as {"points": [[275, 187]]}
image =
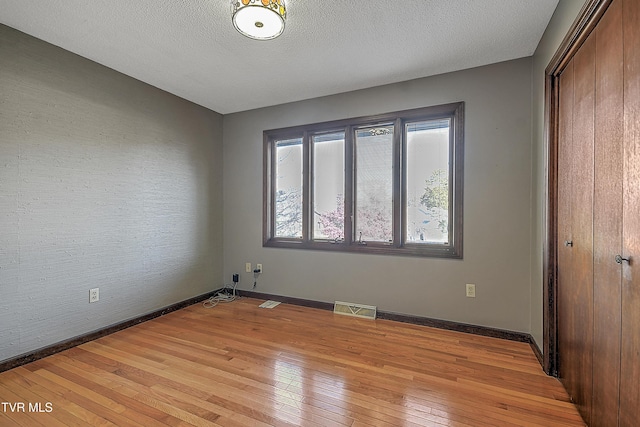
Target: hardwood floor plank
{"points": [[76, 405], [239, 365], [82, 374]]}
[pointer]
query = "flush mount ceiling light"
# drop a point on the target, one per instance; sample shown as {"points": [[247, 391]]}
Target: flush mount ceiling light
{"points": [[259, 19]]}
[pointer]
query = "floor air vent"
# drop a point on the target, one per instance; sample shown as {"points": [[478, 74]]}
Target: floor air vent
{"points": [[357, 310]]}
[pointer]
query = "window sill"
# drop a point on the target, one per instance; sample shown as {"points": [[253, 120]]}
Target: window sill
{"points": [[430, 251]]}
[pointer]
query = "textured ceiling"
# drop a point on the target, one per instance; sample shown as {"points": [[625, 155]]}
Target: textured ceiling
{"points": [[190, 48]]}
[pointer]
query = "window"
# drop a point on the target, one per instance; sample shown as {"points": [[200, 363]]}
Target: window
{"points": [[389, 184], [288, 188], [374, 183], [328, 186]]}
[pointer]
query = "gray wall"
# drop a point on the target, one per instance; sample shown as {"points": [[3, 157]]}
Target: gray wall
{"points": [[104, 182], [497, 205], [562, 19]]}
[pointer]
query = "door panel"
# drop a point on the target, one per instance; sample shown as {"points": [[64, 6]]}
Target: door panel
{"points": [[607, 221], [630, 356], [566, 323], [581, 293]]}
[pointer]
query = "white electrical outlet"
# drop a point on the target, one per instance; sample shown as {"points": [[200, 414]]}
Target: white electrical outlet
{"points": [[471, 290], [259, 267], [94, 295], [247, 268]]}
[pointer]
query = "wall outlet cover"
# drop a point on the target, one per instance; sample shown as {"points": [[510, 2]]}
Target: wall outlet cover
{"points": [[94, 295], [471, 290]]}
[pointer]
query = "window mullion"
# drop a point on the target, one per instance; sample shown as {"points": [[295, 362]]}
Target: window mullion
{"points": [[399, 183], [269, 190], [306, 188], [452, 186], [349, 162], [273, 189], [457, 170]]}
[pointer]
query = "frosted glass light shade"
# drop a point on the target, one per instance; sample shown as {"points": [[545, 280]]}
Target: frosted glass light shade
{"points": [[259, 19]]}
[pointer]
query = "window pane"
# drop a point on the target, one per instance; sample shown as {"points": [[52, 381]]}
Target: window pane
{"points": [[288, 186], [328, 186], [427, 182], [374, 184]]}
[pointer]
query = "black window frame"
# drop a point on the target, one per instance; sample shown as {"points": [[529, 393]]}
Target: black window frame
{"points": [[398, 246]]}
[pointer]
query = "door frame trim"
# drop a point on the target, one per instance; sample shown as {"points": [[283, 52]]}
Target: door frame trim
{"points": [[585, 22]]}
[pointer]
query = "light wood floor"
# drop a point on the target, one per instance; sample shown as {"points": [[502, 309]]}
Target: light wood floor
{"points": [[240, 365]]}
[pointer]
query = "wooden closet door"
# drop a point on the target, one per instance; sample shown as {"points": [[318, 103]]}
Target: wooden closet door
{"points": [[598, 207], [582, 224], [607, 220], [566, 320], [575, 259], [630, 357]]}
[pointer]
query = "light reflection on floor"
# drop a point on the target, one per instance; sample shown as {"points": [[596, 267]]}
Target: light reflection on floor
{"points": [[292, 383]]}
